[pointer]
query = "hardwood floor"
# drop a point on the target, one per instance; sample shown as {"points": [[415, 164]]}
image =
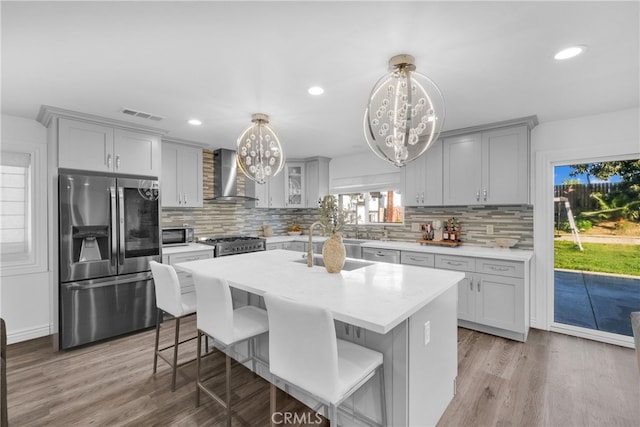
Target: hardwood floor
{"points": [[552, 380]]}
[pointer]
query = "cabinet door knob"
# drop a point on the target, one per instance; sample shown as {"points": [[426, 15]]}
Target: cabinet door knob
{"points": [[423, 197], [118, 162], [478, 196], [479, 282], [484, 193], [471, 283], [109, 161]]}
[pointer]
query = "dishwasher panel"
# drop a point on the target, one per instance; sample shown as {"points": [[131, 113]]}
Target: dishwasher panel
{"points": [[382, 255]]}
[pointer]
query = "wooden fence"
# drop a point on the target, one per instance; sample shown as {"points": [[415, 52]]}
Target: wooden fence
{"points": [[579, 195]]}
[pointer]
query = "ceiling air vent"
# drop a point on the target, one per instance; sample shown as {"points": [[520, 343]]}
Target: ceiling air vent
{"points": [[135, 113]]}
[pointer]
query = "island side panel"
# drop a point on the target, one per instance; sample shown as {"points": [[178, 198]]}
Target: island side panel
{"points": [[395, 349], [433, 367]]}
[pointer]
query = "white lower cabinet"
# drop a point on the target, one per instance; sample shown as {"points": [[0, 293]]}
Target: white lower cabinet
{"points": [[273, 246], [420, 259], [186, 280], [381, 255], [492, 297]]}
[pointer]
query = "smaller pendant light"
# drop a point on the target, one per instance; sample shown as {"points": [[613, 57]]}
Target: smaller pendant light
{"points": [[260, 154], [405, 113]]}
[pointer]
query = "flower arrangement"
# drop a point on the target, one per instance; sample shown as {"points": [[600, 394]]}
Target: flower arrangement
{"points": [[332, 217]]}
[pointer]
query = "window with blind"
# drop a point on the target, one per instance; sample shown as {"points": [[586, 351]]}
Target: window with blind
{"points": [[15, 206]]}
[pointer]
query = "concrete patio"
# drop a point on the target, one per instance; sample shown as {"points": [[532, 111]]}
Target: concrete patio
{"points": [[596, 301]]}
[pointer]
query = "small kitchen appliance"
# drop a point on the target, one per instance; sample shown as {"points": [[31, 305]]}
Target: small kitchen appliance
{"points": [[177, 236]]}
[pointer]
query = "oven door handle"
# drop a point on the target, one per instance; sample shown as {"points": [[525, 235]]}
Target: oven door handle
{"points": [[114, 226], [121, 225]]}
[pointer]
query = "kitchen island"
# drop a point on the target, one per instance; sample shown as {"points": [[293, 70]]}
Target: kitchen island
{"points": [[408, 313]]}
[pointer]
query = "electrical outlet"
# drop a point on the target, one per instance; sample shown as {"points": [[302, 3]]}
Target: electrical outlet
{"points": [[427, 332], [489, 229], [415, 226]]}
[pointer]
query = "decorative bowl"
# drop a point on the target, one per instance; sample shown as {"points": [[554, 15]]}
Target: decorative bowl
{"points": [[294, 233], [505, 242]]}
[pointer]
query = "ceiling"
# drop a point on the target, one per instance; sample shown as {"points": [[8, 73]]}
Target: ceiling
{"points": [[222, 61]]}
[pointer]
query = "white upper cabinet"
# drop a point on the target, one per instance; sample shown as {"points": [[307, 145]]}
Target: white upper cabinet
{"points": [[505, 159], [86, 146], [462, 170], [294, 181], [181, 179], [422, 179], [102, 148], [317, 180], [300, 184], [487, 168], [268, 195], [136, 153]]}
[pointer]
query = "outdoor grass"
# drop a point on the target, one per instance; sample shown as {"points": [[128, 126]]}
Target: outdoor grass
{"points": [[598, 257]]}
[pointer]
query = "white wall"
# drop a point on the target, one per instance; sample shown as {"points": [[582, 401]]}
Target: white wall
{"points": [[612, 136], [26, 293]]}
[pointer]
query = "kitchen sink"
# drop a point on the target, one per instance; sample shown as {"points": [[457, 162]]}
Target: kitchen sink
{"points": [[352, 247], [349, 264]]}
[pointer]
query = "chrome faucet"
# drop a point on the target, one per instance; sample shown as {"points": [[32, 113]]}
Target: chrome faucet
{"points": [[310, 251]]}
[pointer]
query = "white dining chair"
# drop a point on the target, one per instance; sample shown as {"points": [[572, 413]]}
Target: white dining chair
{"points": [[304, 352], [227, 327], [170, 300]]}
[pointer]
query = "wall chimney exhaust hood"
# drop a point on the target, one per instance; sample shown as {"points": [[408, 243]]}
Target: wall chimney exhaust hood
{"points": [[225, 174]]}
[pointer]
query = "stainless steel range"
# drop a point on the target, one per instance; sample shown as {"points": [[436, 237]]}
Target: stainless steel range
{"points": [[234, 245]]}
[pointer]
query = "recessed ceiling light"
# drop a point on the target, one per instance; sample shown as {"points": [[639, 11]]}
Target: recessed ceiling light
{"points": [[570, 52], [195, 122], [315, 90]]}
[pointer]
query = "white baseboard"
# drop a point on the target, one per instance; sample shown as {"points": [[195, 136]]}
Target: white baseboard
{"points": [[28, 334]]}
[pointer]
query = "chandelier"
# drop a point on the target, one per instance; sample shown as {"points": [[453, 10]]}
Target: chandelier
{"points": [[405, 113], [259, 152]]}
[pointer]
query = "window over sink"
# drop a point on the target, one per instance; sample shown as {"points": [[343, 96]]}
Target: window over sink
{"points": [[373, 207]]}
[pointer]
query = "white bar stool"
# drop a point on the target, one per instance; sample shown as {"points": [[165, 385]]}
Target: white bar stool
{"points": [[170, 300], [305, 353], [227, 327]]}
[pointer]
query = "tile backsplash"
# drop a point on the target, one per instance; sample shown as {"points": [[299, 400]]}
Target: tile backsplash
{"points": [[227, 218], [217, 218]]}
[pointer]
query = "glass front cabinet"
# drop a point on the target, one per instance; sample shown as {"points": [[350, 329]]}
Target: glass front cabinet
{"points": [[294, 185]]}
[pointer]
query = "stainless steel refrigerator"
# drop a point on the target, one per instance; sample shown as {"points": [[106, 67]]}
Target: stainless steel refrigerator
{"points": [[109, 231]]}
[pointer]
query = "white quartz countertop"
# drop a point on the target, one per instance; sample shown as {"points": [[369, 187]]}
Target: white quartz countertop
{"points": [[191, 247], [462, 250], [377, 297], [301, 238]]}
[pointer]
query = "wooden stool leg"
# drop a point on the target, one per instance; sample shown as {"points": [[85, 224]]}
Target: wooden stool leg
{"points": [[198, 355], [228, 387], [272, 404], [175, 355], [155, 352]]}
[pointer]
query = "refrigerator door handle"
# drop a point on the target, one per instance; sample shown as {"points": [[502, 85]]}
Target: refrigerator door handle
{"points": [[103, 283], [121, 225], [114, 226]]}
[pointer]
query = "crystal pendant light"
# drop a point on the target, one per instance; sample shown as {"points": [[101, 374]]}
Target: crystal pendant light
{"points": [[259, 152], [405, 113]]}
